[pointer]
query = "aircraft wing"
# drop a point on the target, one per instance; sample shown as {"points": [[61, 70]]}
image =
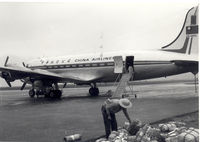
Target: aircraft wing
{"points": [[15, 72], [83, 78], [22, 72], [190, 64], [185, 62]]}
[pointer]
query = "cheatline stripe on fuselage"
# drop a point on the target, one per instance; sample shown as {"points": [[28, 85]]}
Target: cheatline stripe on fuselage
{"points": [[99, 64]]}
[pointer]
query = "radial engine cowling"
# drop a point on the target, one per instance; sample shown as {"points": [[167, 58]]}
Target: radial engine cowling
{"points": [[38, 84], [7, 76]]}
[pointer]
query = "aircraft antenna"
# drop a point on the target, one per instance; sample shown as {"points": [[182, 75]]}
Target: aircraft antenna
{"points": [[101, 46]]}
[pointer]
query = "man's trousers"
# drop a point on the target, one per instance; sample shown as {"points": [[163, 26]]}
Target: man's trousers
{"points": [[110, 124]]}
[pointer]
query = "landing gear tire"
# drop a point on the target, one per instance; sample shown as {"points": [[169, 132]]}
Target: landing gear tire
{"points": [[38, 93], [51, 94], [47, 95], [94, 91], [32, 93], [55, 94], [58, 94]]}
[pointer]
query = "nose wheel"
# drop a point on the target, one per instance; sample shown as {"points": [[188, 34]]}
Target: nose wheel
{"points": [[94, 91]]}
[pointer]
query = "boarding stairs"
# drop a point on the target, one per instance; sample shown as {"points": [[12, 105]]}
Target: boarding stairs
{"points": [[123, 82], [126, 76]]}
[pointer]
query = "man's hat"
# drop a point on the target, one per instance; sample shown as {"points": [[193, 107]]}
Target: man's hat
{"points": [[125, 103]]}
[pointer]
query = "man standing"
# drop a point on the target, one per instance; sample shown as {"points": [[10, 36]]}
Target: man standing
{"points": [[109, 108]]}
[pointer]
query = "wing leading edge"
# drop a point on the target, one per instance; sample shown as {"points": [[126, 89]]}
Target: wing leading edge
{"points": [[23, 72]]}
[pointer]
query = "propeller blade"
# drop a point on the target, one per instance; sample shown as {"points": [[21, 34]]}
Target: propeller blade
{"points": [[64, 85], [8, 82], [5, 64], [23, 64], [23, 86]]}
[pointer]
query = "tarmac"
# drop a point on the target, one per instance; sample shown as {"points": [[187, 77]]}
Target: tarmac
{"points": [[47, 120]]}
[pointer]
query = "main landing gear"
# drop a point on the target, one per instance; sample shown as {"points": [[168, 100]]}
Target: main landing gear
{"points": [[49, 91], [50, 94], [54, 94], [31, 93], [94, 91]]}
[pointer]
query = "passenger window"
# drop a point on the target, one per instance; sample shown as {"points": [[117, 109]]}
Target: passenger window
{"points": [[110, 64], [87, 65], [94, 65], [102, 64], [67, 66]]}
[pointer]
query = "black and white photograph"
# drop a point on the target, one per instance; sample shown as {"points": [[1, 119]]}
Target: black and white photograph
{"points": [[99, 71]]}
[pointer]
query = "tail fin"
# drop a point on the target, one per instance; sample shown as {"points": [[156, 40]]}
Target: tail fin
{"points": [[189, 33]]}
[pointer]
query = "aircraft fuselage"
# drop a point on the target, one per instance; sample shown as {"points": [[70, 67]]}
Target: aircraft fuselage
{"points": [[100, 68]]}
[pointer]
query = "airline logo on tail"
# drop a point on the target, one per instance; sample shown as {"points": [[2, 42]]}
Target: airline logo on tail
{"points": [[188, 34]]}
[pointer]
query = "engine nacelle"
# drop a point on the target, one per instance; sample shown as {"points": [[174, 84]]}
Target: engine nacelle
{"points": [[38, 84], [7, 76]]}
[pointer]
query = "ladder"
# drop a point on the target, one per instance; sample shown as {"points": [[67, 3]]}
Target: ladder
{"points": [[124, 79]]}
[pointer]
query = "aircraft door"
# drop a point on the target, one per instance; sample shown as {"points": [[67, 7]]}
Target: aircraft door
{"points": [[118, 68], [129, 62]]}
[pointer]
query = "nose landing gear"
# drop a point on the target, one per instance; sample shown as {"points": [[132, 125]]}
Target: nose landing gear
{"points": [[94, 90]]}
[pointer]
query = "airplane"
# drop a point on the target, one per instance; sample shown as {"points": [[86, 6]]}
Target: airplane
{"points": [[44, 74]]}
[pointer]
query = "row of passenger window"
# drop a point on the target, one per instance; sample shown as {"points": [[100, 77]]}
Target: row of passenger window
{"points": [[78, 65]]}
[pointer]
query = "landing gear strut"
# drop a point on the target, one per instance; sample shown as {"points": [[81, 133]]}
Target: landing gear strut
{"points": [[195, 82], [93, 91]]}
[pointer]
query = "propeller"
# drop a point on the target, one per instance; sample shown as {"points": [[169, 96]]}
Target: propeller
{"points": [[64, 85], [6, 74], [23, 86], [5, 64], [25, 81], [23, 64], [8, 82]]}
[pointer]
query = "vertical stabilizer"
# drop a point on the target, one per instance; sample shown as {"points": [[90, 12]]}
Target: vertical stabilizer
{"points": [[187, 40]]}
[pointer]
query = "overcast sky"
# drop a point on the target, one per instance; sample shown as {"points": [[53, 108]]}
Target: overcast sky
{"points": [[30, 30], [48, 29]]}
